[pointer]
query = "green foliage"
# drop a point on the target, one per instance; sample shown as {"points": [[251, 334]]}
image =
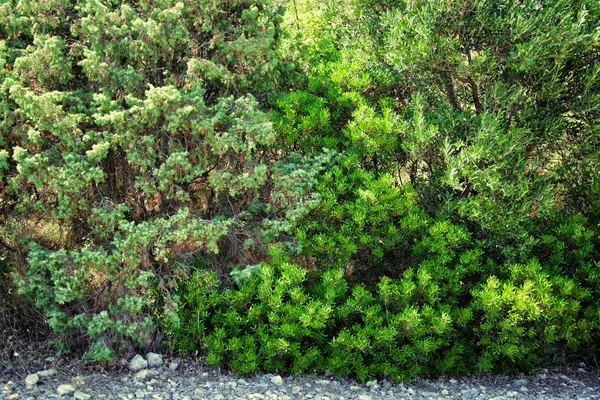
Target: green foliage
{"points": [[431, 166], [133, 131], [428, 322]]}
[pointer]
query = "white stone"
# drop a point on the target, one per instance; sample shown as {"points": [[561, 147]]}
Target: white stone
{"points": [[143, 374], [372, 383], [322, 382], [82, 395], [277, 380], [173, 365], [453, 381], [65, 389], [47, 372], [32, 380], [364, 397], [138, 362], [445, 392], [154, 359]]}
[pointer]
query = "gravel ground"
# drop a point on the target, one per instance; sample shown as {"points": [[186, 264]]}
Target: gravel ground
{"points": [[188, 379]]}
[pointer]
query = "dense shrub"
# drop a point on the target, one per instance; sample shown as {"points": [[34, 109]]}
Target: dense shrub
{"points": [[425, 172], [133, 140], [281, 319]]}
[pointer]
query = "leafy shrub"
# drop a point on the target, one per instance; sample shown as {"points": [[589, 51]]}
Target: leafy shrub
{"points": [[133, 141], [281, 319]]}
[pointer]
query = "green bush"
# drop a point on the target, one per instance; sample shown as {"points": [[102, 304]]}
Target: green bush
{"points": [[281, 319], [134, 141]]}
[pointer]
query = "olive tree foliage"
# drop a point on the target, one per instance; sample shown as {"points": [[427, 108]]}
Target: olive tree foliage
{"points": [[132, 141]]}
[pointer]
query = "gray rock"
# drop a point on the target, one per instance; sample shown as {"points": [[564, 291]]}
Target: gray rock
{"points": [[445, 392], [143, 374], [520, 382], [372, 383], [173, 365], [47, 372], [138, 362], [154, 359], [65, 389], [82, 395], [364, 397], [277, 380], [32, 380], [322, 382]]}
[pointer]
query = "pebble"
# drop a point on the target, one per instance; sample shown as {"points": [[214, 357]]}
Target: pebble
{"points": [[47, 372], [154, 360], [277, 380], [32, 380], [65, 389], [143, 374], [188, 383], [138, 362], [173, 365]]}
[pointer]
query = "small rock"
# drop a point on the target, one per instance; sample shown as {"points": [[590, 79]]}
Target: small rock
{"points": [[138, 362], [364, 397], [453, 381], [354, 387], [143, 374], [82, 395], [218, 397], [523, 389], [411, 391], [277, 380], [50, 359], [173, 365], [65, 389], [581, 371], [372, 383], [520, 382], [32, 380], [154, 359], [296, 389], [512, 394], [322, 382], [47, 372], [542, 376], [445, 392]]}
